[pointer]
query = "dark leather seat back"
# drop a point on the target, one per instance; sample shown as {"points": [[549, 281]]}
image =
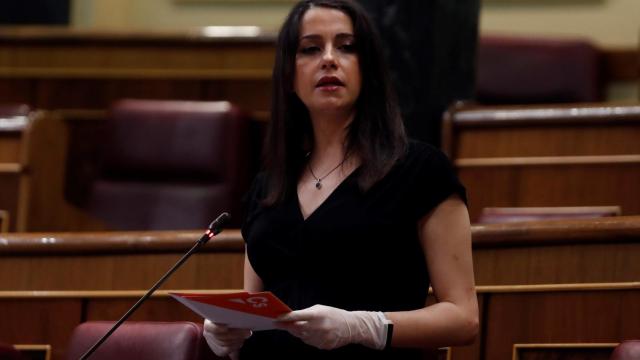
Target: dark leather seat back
{"points": [[11, 110], [8, 352], [140, 341], [526, 71], [627, 350], [171, 164]]}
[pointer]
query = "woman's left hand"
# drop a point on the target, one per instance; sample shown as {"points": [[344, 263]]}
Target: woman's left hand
{"points": [[329, 328]]}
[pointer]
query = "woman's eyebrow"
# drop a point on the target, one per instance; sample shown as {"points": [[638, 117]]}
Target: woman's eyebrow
{"points": [[338, 36]]}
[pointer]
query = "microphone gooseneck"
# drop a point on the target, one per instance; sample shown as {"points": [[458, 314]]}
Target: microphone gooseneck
{"points": [[214, 228]]}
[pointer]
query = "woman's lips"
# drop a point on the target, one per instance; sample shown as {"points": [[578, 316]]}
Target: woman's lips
{"points": [[329, 83]]}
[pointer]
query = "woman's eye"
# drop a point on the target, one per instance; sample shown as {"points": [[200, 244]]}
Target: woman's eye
{"points": [[349, 48], [309, 49]]}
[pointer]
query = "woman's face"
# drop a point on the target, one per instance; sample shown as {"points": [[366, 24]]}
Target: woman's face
{"points": [[327, 75]]}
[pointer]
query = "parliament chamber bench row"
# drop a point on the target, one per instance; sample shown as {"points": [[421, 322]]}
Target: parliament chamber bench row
{"points": [[59, 68], [507, 156], [143, 165], [546, 155], [517, 322], [546, 287], [602, 250]]}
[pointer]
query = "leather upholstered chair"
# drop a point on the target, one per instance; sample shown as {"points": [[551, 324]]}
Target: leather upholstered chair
{"points": [[627, 350], [512, 70], [10, 110], [171, 165], [8, 352], [141, 341]]}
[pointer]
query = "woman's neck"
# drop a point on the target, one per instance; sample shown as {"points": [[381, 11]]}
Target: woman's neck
{"points": [[329, 131]]}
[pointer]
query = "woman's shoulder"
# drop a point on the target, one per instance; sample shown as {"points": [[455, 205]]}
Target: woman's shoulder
{"points": [[422, 152]]}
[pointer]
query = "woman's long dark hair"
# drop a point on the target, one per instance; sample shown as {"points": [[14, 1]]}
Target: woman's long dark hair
{"points": [[376, 134]]}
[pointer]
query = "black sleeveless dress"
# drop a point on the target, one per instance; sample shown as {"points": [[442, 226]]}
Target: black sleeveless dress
{"points": [[356, 251]]}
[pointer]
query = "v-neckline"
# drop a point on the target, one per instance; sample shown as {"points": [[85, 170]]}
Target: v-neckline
{"points": [[322, 204]]}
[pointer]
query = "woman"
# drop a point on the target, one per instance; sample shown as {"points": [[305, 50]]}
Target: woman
{"points": [[350, 222]]}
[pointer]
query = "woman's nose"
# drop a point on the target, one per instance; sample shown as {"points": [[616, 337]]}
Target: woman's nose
{"points": [[328, 58]]}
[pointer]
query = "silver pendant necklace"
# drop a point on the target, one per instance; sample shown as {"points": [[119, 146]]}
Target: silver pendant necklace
{"points": [[319, 179]]}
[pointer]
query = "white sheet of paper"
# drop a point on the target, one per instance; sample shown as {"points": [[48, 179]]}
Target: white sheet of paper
{"points": [[232, 318]]}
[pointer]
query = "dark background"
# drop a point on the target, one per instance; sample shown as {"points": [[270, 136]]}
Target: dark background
{"points": [[34, 12], [430, 46]]}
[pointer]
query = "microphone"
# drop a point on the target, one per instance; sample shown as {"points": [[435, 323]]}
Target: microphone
{"points": [[214, 229]]}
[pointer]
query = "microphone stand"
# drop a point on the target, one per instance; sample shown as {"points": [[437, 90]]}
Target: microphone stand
{"points": [[214, 229]]}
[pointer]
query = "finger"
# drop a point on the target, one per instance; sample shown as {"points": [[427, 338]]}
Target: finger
{"points": [[215, 328], [298, 315], [291, 325]]}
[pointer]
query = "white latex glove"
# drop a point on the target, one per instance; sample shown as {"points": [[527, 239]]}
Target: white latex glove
{"points": [[223, 340], [329, 328]]}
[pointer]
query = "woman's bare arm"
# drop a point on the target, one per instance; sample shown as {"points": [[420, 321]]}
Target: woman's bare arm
{"points": [[446, 241]]}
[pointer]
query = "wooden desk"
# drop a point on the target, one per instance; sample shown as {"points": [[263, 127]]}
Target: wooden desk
{"points": [[118, 261], [510, 315], [569, 251], [546, 155], [33, 161], [562, 251], [13, 133], [61, 68]]}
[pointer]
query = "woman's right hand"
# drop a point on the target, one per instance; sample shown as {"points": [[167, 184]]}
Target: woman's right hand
{"points": [[223, 340]]}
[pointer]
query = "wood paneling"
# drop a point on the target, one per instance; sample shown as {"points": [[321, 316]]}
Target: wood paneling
{"points": [[566, 251], [559, 316], [64, 68], [58, 67], [621, 64], [9, 186], [551, 252], [613, 184], [570, 155], [34, 351], [557, 264], [576, 351], [118, 261], [590, 313], [30, 320], [613, 139], [10, 146]]}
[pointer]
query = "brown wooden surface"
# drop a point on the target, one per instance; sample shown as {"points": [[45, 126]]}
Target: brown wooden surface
{"points": [[472, 131], [560, 251], [9, 184], [563, 251], [50, 317], [34, 351], [621, 64], [4, 221], [559, 317], [12, 172], [572, 351], [553, 185], [596, 313], [10, 146], [30, 320], [55, 68], [32, 178], [554, 155], [65, 68], [118, 261]]}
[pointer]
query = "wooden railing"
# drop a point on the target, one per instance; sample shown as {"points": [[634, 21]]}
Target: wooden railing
{"points": [[563, 251]]}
